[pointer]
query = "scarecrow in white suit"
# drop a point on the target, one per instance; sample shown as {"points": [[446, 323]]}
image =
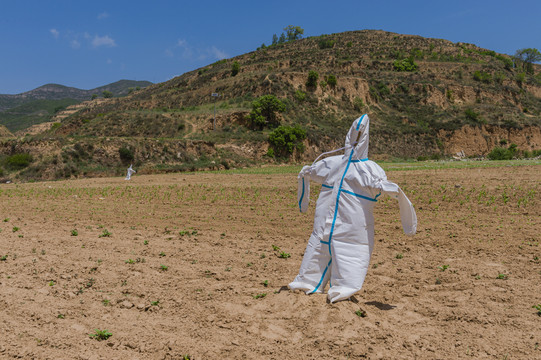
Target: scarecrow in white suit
{"points": [[130, 173], [342, 241]]}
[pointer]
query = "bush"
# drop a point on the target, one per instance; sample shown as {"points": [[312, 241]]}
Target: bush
{"points": [[358, 104], [300, 96], [473, 118], [520, 77], [235, 68], [405, 65], [325, 43], [482, 76], [499, 78], [499, 153], [331, 80], [126, 155], [312, 79], [17, 161], [285, 139], [264, 111]]}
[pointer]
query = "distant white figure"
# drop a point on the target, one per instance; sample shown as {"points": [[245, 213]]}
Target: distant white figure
{"points": [[130, 172], [342, 241]]}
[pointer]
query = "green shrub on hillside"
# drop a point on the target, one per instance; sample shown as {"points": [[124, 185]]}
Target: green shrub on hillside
{"points": [[312, 79], [285, 139], [507, 62], [482, 76], [499, 78], [405, 65], [235, 68], [17, 161], [499, 153], [264, 111], [325, 43], [331, 80], [300, 96], [358, 104], [520, 78], [473, 118], [126, 155]]}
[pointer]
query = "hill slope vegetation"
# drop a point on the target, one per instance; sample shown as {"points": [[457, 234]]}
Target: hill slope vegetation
{"points": [[426, 98]]}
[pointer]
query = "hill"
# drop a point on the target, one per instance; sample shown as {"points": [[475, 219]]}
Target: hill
{"points": [[18, 112], [426, 98], [59, 92], [32, 112], [4, 132]]}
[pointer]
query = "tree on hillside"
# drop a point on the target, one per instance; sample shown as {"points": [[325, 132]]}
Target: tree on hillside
{"points": [[282, 39], [235, 68], [526, 57], [107, 94], [293, 32], [274, 39], [264, 111], [286, 139], [312, 79]]}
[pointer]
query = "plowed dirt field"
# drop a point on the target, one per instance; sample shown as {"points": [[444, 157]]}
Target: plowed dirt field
{"points": [[195, 266]]}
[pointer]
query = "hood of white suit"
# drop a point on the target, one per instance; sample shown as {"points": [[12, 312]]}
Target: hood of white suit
{"points": [[357, 138]]}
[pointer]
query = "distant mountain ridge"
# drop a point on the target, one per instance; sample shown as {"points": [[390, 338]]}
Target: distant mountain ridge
{"points": [[58, 92], [20, 111]]}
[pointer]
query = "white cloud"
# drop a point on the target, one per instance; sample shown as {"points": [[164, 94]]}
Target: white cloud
{"points": [[75, 44], [103, 41], [190, 53], [55, 33], [219, 54], [109, 61], [103, 15]]}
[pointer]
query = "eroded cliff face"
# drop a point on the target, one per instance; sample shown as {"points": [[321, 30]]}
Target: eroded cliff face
{"points": [[481, 140]]}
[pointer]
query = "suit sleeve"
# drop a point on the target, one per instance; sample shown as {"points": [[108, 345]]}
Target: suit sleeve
{"points": [[318, 173], [408, 216]]}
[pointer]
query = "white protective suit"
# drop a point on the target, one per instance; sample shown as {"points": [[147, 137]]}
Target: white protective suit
{"points": [[342, 240], [130, 172]]}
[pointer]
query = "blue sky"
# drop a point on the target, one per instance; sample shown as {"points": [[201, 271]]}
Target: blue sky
{"points": [[86, 44]]}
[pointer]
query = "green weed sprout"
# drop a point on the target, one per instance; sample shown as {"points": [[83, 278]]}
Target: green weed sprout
{"points": [[361, 313], [284, 255], [105, 233], [443, 267], [101, 334], [538, 308]]}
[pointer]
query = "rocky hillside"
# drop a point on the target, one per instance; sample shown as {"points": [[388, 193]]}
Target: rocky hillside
{"points": [[426, 98]]}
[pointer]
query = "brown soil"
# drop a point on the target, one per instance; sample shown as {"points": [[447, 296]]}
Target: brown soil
{"points": [[463, 287]]}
